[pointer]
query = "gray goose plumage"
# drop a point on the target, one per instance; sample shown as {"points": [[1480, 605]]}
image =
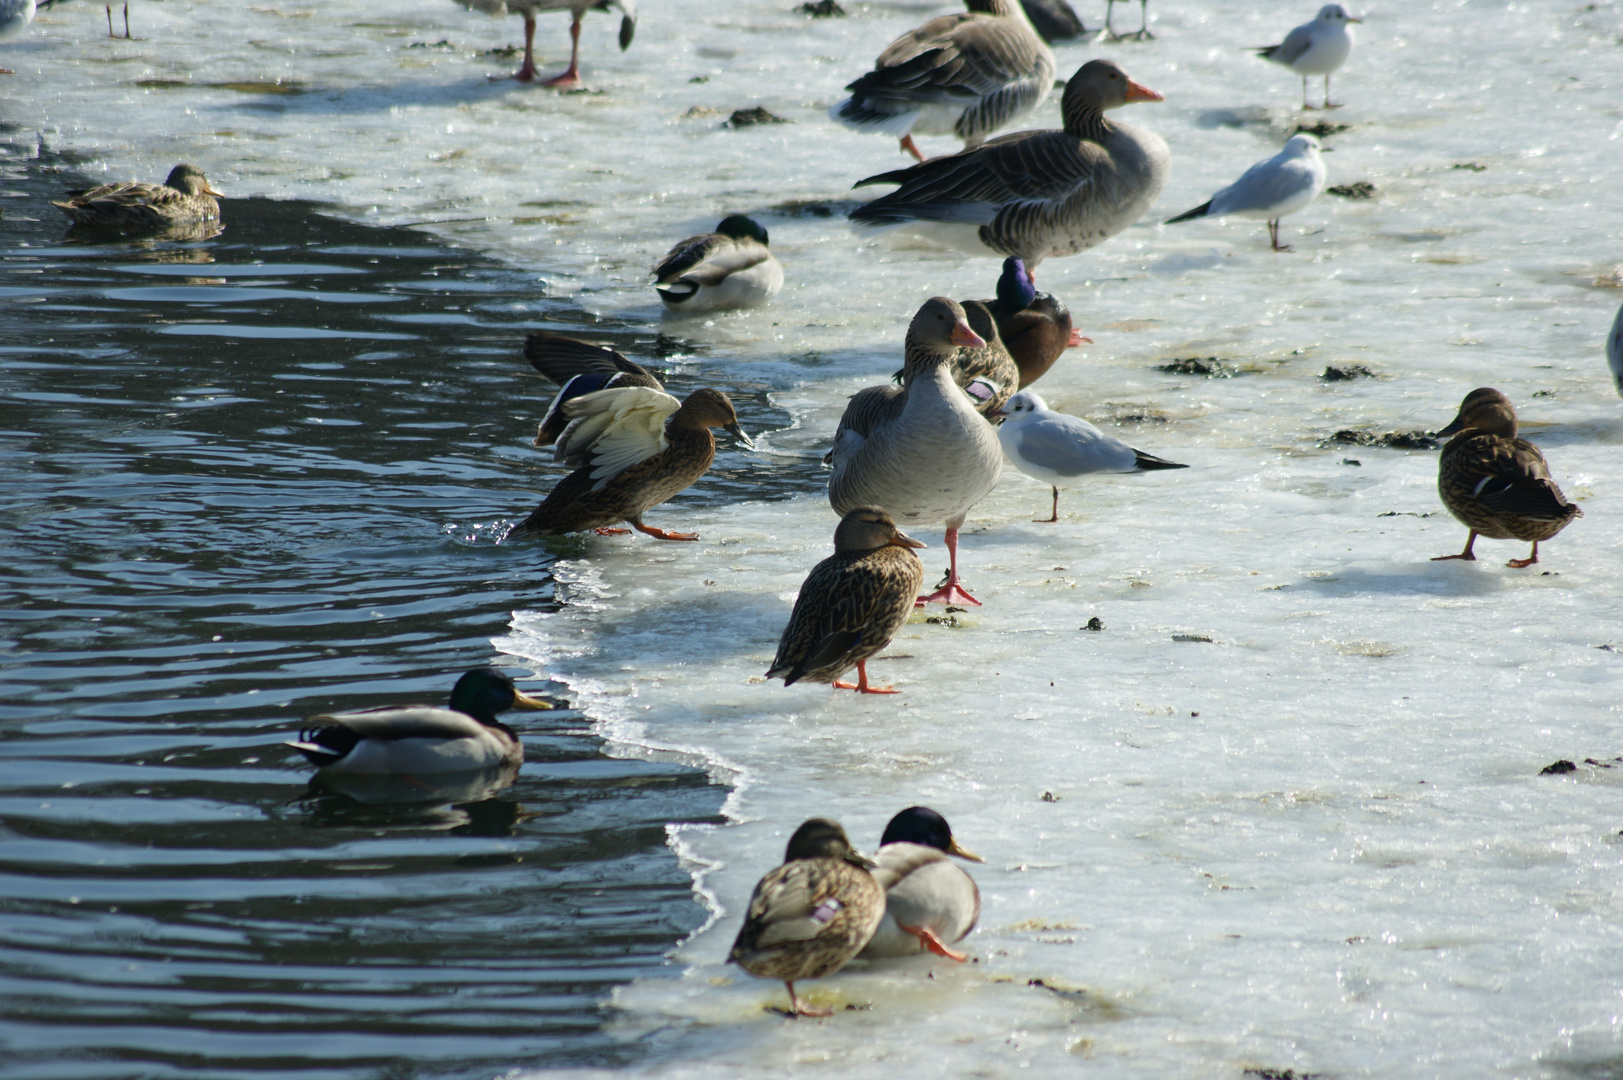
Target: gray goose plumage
{"points": [[921, 451], [965, 75], [1036, 193], [851, 604]]}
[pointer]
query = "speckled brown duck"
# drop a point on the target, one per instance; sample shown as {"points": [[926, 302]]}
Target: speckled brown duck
{"points": [[851, 604], [1034, 326], [185, 197], [632, 448], [1497, 485], [579, 368], [810, 916]]}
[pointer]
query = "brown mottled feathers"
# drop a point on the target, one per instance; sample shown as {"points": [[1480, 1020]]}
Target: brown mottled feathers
{"points": [[185, 197]]}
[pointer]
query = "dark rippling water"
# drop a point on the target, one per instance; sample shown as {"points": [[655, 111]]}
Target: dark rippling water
{"points": [[245, 480]]}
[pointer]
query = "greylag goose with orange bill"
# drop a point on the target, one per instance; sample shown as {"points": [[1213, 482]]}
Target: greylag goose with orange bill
{"points": [[577, 11], [1034, 194], [810, 916], [852, 603], [1497, 485], [632, 448], [965, 75], [987, 373], [919, 451], [579, 368]]}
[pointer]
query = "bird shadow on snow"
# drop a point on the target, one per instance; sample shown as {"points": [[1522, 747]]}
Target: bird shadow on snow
{"points": [[1607, 430], [382, 97], [1453, 579]]}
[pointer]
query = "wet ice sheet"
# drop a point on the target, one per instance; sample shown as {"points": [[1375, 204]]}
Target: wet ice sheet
{"points": [[1266, 885]]}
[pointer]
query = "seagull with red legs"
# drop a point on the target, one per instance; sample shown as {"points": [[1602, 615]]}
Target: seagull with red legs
{"points": [[919, 451], [577, 9]]}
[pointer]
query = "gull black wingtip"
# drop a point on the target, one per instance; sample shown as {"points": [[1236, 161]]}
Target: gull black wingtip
{"points": [[1200, 211]]}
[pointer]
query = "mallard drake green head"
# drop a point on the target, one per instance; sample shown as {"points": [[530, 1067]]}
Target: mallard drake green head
{"points": [[740, 227], [921, 825]]}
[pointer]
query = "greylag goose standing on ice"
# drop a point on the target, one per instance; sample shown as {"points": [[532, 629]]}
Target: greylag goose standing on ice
{"points": [[1271, 189], [729, 268], [1316, 48], [577, 11], [920, 451], [964, 75], [1036, 193]]}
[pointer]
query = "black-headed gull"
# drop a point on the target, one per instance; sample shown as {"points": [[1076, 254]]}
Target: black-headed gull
{"points": [[1319, 47], [1614, 351], [1056, 448], [1271, 189], [15, 15]]}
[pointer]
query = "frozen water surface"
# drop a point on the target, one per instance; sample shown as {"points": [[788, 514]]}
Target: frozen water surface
{"points": [[1318, 841]]}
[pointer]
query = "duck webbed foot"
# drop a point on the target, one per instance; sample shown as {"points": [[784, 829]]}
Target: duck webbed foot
{"points": [[861, 685], [950, 593], [1519, 564], [797, 1008], [928, 939], [662, 534], [1076, 339], [612, 532], [1466, 554]]}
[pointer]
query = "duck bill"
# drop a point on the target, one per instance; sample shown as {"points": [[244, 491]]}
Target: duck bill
{"points": [[857, 857], [210, 191], [743, 439], [901, 539], [1140, 92], [1453, 429], [964, 336], [955, 848], [525, 701]]}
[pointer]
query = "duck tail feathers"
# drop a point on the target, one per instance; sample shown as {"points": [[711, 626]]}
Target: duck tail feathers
{"points": [[315, 753], [676, 292]]}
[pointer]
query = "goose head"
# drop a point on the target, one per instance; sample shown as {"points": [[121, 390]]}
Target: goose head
{"points": [[1099, 85], [1485, 411], [937, 332]]}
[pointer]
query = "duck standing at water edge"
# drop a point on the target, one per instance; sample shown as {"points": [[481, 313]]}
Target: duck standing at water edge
{"points": [[851, 604], [577, 9], [423, 739], [920, 452], [1497, 485], [810, 916], [930, 903], [1034, 194], [185, 197], [579, 368], [632, 449]]}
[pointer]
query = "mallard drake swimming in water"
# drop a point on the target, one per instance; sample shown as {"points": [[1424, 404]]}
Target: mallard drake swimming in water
{"points": [[929, 901], [1497, 485], [577, 11], [964, 75], [852, 603], [405, 739], [1035, 326], [1034, 194], [184, 198], [919, 451], [1057, 448], [632, 448], [810, 916], [580, 368], [729, 268]]}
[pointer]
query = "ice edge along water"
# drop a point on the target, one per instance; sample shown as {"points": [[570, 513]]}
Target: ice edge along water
{"points": [[1346, 863]]}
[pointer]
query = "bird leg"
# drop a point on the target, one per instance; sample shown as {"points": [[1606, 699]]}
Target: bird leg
{"points": [[1110, 6], [952, 591], [1077, 339], [934, 944], [661, 534], [1328, 104], [1273, 236], [797, 1009], [526, 71], [1466, 554], [1055, 517], [1529, 561], [912, 148], [604, 531], [110, 21], [1305, 106], [1144, 20], [570, 78], [126, 20], [861, 685]]}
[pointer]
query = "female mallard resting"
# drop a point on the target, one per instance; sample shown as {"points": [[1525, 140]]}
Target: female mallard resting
{"points": [[811, 915], [729, 268], [182, 199], [579, 368], [851, 604], [1497, 485], [929, 901], [405, 739], [632, 448]]}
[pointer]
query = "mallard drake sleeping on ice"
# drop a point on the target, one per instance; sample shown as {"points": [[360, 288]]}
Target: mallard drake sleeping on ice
{"points": [[729, 268], [930, 902]]}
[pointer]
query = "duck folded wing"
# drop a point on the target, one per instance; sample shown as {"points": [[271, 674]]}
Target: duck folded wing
{"points": [[796, 902], [407, 722], [560, 358], [611, 430], [868, 410], [972, 186], [709, 259], [1517, 483], [125, 195], [955, 58]]}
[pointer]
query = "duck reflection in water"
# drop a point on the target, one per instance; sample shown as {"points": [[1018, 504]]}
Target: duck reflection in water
{"points": [[457, 802]]}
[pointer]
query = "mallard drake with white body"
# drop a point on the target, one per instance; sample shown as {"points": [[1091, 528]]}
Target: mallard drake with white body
{"points": [[1057, 448], [184, 198], [1034, 194], [729, 268], [407, 739], [965, 75], [579, 368], [930, 902], [1319, 47], [577, 9], [1497, 485], [851, 604], [810, 916], [1270, 189], [632, 448], [920, 451]]}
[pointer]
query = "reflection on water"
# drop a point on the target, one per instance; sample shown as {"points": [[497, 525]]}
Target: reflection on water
{"points": [[243, 480]]}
